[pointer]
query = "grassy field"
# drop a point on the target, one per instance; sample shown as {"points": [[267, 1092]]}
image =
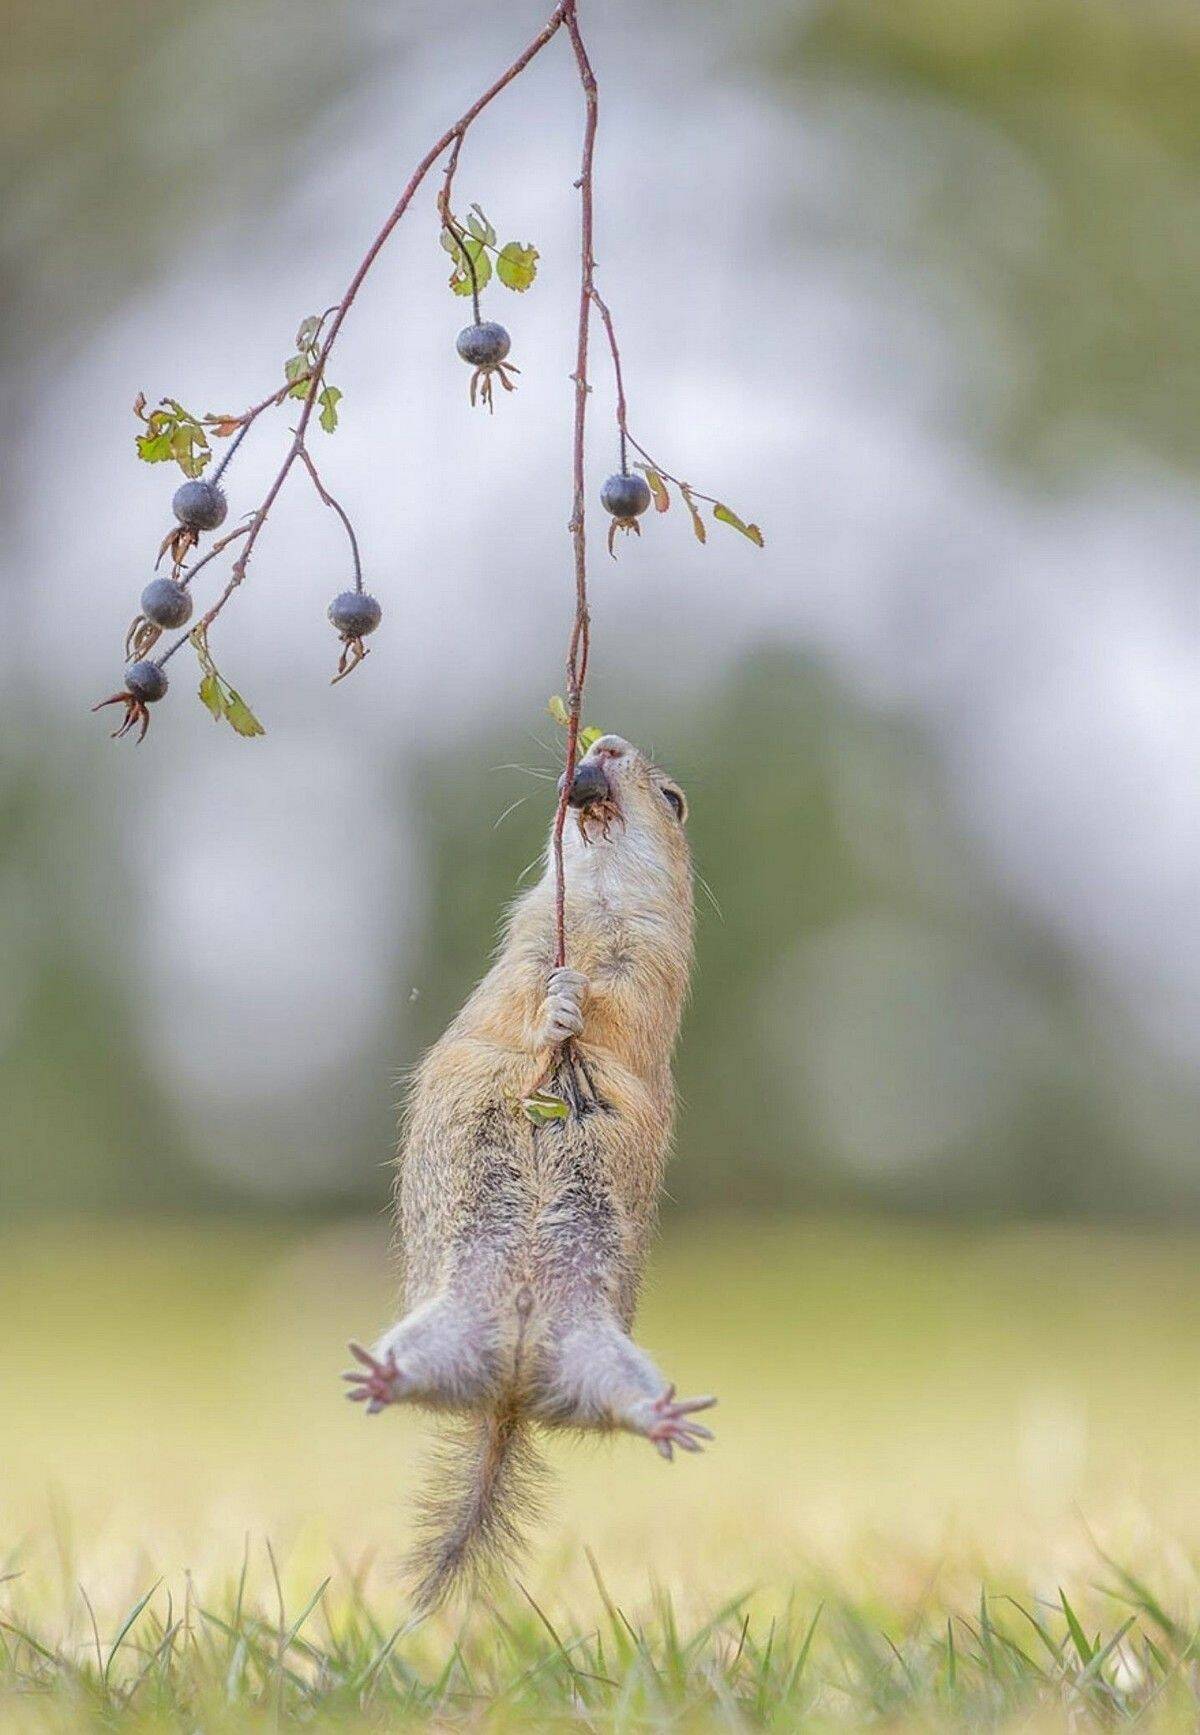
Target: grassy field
{"points": [[950, 1468]]}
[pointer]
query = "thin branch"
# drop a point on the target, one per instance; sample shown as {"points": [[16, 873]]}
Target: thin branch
{"points": [[186, 577], [329, 500], [451, 223], [622, 426], [577, 649]]}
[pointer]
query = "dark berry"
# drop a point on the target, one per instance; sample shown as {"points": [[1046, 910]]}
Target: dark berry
{"points": [[355, 614], [146, 681], [200, 505], [625, 496], [166, 603], [483, 345]]}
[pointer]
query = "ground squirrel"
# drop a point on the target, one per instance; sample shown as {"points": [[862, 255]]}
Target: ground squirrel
{"points": [[524, 1242]]}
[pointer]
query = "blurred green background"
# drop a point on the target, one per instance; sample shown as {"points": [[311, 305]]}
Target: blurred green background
{"points": [[914, 286]]}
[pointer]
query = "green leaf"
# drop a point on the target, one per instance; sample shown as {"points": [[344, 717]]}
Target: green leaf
{"points": [[211, 696], [460, 277], [306, 337], [242, 718], [189, 447], [479, 226], [728, 517], [329, 400], [658, 487], [516, 266], [557, 708], [154, 448], [172, 433], [697, 521], [588, 737], [217, 695], [298, 369], [542, 1106]]}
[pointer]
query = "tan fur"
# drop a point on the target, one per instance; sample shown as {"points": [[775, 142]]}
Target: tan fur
{"points": [[525, 1243]]}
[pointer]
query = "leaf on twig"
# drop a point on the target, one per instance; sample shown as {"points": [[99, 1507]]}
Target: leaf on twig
{"points": [[516, 266], [728, 517], [302, 368], [557, 707], [657, 486], [210, 695], [329, 399], [588, 737], [296, 369], [460, 277], [544, 1106], [697, 521], [217, 696], [222, 427], [240, 716], [479, 226], [306, 336], [173, 434]]}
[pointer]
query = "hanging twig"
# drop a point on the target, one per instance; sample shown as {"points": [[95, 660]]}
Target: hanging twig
{"points": [[579, 643]]}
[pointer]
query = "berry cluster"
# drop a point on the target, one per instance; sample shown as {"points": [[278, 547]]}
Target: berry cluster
{"points": [[171, 433]]}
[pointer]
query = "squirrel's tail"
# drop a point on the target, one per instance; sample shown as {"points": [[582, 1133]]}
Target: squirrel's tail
{"points": [[487, 1484]]}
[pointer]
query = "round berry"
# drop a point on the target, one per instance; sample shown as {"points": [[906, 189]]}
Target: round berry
{"points": [[166, 603], [483, 345], [625, 495], [355, 614], [146, 681], [200, 505]]}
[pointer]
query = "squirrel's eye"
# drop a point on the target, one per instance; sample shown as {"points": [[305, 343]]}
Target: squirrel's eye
{"points": [[674, 799]]}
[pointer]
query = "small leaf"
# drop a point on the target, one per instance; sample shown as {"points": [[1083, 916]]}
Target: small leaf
{"points": [[557, 708], [306, 337], [542, 1106], [697, 521], [211, 696], [516, 266], [296, 368], [658, 488], [728, 517], [239, 714], [329, 400], [588, 737], [153, 448], [479, 226], [222, 427], [460, 277]]}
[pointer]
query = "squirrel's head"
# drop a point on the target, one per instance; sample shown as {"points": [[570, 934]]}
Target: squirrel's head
{"points": [[624, 801]]}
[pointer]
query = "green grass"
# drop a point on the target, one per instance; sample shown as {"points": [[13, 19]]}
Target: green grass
{"points": [[246, 1659], [925, 1436]]}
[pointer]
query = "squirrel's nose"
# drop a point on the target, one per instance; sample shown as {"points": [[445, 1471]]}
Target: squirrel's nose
{"points": [[589, 784]]}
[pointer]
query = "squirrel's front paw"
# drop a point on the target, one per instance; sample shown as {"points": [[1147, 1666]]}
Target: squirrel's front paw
{"points": [[562, 1015]]}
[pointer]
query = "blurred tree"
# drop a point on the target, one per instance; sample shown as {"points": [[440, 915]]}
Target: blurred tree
{"points": [[1036, 180]]}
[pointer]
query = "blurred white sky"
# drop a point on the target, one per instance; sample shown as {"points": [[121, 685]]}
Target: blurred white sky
{"points": [[1050, 647]]}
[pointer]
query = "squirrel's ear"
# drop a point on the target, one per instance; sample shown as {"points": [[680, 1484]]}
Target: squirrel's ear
{"points": [[675, 799]]}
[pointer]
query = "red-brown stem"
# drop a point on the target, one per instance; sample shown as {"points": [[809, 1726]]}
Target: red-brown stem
{"points": [[577, 649], [327, 497], [622, 413]]}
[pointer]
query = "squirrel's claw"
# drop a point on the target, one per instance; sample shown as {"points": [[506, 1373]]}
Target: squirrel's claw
{"points": [[378, 1384], [670, 1424]]}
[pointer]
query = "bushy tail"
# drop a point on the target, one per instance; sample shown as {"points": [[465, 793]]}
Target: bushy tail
{"points": [[487, 1485]]}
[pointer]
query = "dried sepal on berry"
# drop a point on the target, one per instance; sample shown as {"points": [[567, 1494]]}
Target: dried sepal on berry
{"points": [[145, 684], [353, 615]]}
